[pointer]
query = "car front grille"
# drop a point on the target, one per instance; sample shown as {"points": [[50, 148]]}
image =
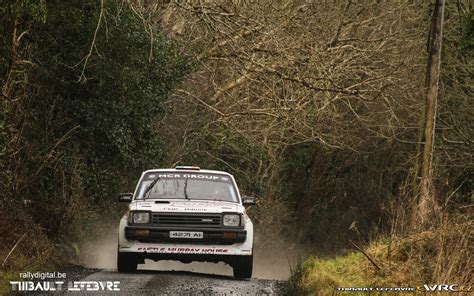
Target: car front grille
{"points": [[187, 220]]}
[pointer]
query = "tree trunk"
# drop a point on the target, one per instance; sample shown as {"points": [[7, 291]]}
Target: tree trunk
{"points": [[427, 207]]}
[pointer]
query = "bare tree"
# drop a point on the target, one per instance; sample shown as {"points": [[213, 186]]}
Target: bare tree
{"points": [[285, 73], [427, 207]]}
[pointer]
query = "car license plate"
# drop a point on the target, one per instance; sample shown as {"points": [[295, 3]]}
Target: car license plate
{"points": [[186, 234]]}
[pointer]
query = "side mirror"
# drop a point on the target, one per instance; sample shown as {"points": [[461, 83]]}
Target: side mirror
{"points": [[125, 197], [248, 200]]}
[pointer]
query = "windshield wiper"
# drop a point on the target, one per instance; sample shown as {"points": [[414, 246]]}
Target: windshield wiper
{"points": [[185, 189], [148, 189]]}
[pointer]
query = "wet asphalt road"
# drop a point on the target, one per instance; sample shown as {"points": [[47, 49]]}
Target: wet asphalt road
{"points": [[153, 282]]}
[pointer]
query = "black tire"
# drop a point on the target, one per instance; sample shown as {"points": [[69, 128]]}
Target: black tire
{"points": [[243, 266], [126, 262]]}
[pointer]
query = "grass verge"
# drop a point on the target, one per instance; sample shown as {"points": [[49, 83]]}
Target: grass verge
{"points": [[441, 256]]}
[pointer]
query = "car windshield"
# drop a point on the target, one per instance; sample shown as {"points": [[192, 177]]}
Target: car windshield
{"points": [[193, 186]]}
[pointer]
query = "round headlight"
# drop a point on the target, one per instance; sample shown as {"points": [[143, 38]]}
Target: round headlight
{"points": [[231, 220], [141, 217]]}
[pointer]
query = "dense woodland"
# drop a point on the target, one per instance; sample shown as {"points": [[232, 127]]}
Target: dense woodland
{"points": [[317, 108]]}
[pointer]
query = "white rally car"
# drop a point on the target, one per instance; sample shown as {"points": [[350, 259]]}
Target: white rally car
{"points": [[186, 214]]}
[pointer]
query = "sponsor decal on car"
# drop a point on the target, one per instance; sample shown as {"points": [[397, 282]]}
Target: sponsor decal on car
{"points": [[211, 177], [183, 250]]}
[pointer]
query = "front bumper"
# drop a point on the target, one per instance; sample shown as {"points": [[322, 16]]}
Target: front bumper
{"points": [[155, 234], [189, 250], [168, 250]]}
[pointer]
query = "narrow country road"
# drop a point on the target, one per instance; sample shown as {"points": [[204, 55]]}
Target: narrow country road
{"points": [[153, 282]]}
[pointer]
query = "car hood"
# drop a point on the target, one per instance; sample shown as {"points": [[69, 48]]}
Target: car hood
{"points": [[186, 206]]}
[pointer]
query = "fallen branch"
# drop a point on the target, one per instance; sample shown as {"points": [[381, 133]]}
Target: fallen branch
{"points": [[14, 247], [365, 254]]}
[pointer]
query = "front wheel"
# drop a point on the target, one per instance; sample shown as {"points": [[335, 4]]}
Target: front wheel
{"points": [[126, 262], [243, 266]]}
